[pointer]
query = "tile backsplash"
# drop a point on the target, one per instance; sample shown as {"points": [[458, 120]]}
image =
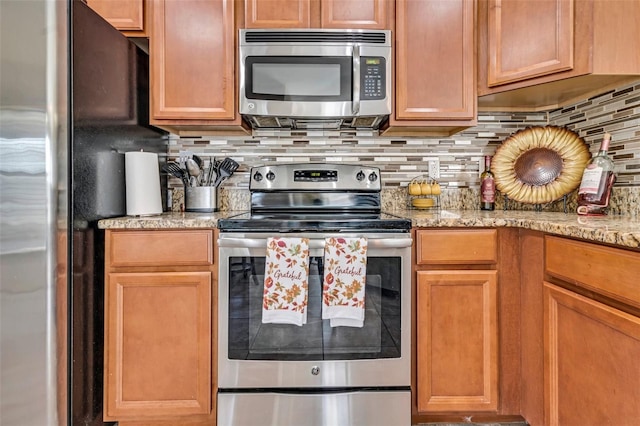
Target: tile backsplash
{"points": [[459, 157]]}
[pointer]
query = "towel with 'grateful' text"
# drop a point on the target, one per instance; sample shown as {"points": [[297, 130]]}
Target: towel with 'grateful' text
{"points": [[343, 288], [284, 299]]}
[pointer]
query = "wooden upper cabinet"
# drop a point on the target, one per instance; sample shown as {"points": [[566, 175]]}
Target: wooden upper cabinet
{"points": [[435, 70], [529, 38], [278, 13], [545, 54], [192, 51], [372, 14], [128, 16]]}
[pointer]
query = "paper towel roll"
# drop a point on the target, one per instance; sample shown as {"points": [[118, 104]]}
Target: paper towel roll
{"points": [[142, 177]]}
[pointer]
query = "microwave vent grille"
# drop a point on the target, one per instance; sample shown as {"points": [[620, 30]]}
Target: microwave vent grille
{"points": [[270, 122], [366, 122], [373, 37]]}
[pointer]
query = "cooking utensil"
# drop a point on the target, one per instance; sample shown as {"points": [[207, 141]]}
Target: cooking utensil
{"points": [[183, 156], [226, 169], [209, 180], [194, 171], [175, 170], [200, 162]]}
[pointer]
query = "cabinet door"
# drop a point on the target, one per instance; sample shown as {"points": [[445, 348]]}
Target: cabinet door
{"points": [[435, 60], [457, 349], [192, 60], [528, 39], [592, 373], [372, 14], [158, 351], [124, 15], [317, 14], [280, 13]]}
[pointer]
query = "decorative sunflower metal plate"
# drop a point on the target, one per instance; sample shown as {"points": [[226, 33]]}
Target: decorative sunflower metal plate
{"points": [[540, 164]]}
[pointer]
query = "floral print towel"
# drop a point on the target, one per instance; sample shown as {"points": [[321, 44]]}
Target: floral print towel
{"points": [[286, 281], [345, 268]]}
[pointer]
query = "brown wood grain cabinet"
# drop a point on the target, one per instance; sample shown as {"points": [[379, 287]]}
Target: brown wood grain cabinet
{"points": [[192, 67], [457, 329], [538, 55], [435, 67], [128, 16], [457, 341], [361, 14], [591, 333], [160, 294]]}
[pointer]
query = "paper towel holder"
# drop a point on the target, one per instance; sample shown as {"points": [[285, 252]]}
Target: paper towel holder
{"points": [[142, 176]]}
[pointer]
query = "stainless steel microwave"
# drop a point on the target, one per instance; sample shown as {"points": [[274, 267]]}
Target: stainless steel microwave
{"points": [[315, 78]]}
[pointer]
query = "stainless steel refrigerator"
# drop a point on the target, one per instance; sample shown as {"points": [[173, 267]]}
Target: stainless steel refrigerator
{"points": [[73, 100]]}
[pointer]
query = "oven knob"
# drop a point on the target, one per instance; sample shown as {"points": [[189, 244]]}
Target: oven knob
{"points": [[373, 177], [315, 370], [360, 176], [271, 175], [257, 176]]}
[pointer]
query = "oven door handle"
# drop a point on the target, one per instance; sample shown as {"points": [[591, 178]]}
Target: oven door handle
{"points": [[373, 243]]}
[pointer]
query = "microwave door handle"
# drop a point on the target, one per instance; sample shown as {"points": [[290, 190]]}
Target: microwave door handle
{"points": [[356, 79]]}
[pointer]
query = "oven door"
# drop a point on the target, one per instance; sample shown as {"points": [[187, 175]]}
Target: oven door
{"points": [[314, 355]]}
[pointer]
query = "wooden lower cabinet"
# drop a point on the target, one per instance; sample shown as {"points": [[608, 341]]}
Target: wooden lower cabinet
{"points": [[159, 344], [461, 368], [591, 363], [159, 327], [457, 334]]}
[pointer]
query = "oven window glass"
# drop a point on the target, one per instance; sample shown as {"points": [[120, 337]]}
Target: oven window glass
{"points": [[298, 78], [250, 339]]}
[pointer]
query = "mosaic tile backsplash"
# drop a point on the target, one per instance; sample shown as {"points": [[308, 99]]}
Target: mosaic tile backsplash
{"points": [[456, 161]]}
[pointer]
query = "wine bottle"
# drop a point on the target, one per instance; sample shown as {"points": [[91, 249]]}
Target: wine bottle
{"points": [[597, 180], [487, 186]]}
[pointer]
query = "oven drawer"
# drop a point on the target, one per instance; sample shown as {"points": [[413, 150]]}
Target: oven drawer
{"points": [[370, 408]]}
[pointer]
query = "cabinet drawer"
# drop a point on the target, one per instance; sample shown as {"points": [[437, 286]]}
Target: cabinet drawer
{"points": [[456, 246], [160, 248], [610, 271]]}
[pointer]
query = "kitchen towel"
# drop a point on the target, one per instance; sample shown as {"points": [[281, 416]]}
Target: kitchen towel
{"points": [[345, 268], [286, 276], [142, 180]]}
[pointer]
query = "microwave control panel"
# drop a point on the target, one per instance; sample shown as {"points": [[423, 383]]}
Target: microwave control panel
{"points": [[372, 78]]}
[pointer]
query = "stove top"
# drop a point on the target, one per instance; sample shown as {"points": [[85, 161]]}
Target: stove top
{"points": [[314, 197], [284, 222]]}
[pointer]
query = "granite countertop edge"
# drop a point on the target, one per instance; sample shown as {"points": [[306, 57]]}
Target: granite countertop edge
{"points": [[617, 230]]}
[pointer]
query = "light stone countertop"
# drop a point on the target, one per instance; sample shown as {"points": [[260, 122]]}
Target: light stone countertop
{"points": [[618, 230]]}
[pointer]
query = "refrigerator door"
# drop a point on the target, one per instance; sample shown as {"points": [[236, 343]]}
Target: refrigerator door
{"points": [[33, 212], [73, 100]]}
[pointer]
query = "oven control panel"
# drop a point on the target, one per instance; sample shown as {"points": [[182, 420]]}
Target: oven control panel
{"points": [[314, 176]]}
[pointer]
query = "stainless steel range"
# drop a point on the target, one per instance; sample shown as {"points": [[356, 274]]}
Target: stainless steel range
{"points": [[314, 374]]}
